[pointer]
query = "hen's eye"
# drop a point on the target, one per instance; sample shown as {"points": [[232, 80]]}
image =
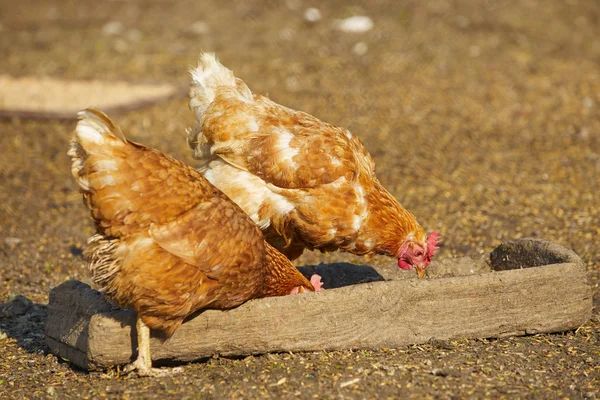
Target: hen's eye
{"points": [[418, 253]]}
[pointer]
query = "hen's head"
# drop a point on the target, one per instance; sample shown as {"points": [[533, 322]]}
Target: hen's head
{"points": [[414, 254]]}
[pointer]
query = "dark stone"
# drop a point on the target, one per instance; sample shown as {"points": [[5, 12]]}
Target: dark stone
{"points": [[527, 253]]}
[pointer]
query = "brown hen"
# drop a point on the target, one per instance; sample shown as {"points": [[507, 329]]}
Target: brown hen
{"points": [[307, 184], [168, 243]]}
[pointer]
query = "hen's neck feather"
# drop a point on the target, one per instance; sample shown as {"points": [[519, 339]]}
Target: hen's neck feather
{"points": [[282, 276], [388, 223]]}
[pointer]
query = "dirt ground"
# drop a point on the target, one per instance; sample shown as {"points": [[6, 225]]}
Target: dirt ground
{"points": [[483, 117]]}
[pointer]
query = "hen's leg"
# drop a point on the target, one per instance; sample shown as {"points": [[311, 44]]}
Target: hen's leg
{"points": [[143, 363]]}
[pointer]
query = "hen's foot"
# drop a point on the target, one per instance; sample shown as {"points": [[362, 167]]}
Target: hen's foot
{"points": [[143, 363], [143, 370]]}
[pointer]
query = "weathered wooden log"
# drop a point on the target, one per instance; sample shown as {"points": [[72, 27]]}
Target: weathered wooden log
{"points": [[92, 334]]}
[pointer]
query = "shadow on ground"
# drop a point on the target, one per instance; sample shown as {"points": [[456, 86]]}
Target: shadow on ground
{"points": [[24, 321], [336, 275]]}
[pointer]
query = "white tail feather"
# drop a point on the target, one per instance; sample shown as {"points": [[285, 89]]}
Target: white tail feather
{"points": [[207, 78], [94, 126], [93, 132], [210, 79]]}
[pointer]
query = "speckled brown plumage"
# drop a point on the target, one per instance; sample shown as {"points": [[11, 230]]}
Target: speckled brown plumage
{"points": [[169, 243], [306, 183]]}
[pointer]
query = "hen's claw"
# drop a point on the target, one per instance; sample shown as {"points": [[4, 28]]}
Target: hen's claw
{"points": [[143, 370], [143, 363]]}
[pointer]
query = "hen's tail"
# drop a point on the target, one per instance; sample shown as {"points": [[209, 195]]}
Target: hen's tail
{"points": [[98, 137], [210, 76], [209, 80]]}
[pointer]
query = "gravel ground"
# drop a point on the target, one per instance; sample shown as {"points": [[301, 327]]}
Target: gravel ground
{"points": [[483, 118]]}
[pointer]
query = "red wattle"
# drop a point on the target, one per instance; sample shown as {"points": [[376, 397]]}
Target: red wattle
{"points": [[404, 265]]}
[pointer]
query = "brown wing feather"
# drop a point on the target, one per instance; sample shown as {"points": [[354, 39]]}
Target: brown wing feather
{"points": [[205, 237], [161, 287]]}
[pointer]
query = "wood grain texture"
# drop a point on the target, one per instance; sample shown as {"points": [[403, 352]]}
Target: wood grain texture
{"points": [[551, 298]]}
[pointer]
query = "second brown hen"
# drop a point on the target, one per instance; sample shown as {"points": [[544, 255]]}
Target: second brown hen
{"points": [[306, 183]]}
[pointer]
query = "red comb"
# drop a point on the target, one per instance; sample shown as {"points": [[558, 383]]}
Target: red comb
{"points": [[432, 243], [315, 280]]}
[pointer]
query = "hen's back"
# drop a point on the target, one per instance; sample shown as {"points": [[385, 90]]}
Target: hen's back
{"points": [[129, 186]]}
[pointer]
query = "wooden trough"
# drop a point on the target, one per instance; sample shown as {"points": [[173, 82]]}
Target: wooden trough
{"points": [[531, 286]]}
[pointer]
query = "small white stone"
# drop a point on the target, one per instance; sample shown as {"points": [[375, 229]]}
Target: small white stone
{"points": [[199, 28], [112, 28], [12, 241], [360, 48], [312, 14], [356, 24], [350, 382], [588, 102], [281, 381]]}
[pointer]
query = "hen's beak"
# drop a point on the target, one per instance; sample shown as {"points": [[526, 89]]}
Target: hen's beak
{"points": [[420, 271]]}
